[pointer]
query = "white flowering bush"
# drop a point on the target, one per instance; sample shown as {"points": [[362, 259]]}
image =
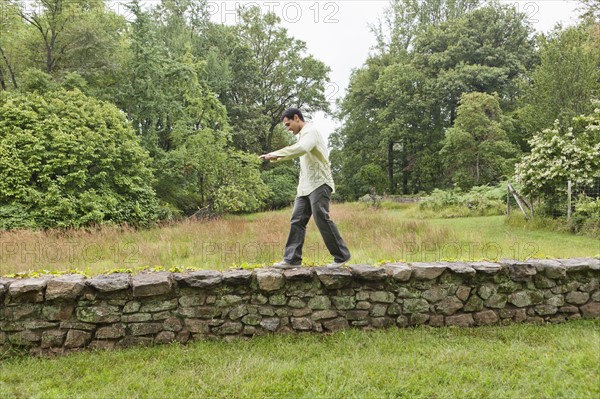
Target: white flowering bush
{"points": [[559, 155]]}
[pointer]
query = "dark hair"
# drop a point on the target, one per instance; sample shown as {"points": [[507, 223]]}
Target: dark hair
{"points": [[290, 112]]}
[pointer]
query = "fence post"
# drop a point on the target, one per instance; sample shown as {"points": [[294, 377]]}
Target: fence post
{"points": [[569, 201], [507, 201]]}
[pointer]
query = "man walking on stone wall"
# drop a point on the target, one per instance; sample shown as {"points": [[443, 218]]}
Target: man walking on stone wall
{"points": [[314, 192]]}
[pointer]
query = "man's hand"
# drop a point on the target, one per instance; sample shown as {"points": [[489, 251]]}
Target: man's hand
{"points": [[268, 157]]}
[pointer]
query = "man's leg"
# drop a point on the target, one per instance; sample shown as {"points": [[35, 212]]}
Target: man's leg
{"points": [[300, 217], [319, 201]]}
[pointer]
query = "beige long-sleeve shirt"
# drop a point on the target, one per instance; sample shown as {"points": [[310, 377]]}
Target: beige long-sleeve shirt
{"points": [[314, 160]]}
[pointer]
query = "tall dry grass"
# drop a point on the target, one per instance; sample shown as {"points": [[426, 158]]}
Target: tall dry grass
{"points": [[372, 235]]}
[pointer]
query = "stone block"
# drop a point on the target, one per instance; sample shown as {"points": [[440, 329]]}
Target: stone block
{"points": [[580, 264], [110, 282], [164, 337], [152, 284], [428, 271], [419, 318], [193, 300], [486, 318], [416, 306], [228, 328], [158, 305], [382, 322], [336, 324], [99, 314], [172, 324], [462, 320], [496, 301], [519, 271], [344, 302], [296, 303], [238, 312], [301, 273], [461, 268], [577, 298], [545, 310], [324, 314], [111, 332], [485, 267], [53, 338], [28, 290], [77, 339], [65, 287], [269, 279], [367, 272], [334, 278], [270, 324], [320, 302], [398, 271], [237, 277], [520, 299], [252, 319], [590, 310], [449, 305], [58, 312], [132, 341], [378, 310], [382, 296], [136, 317], [199, 279], [145, 328], [434, 294], [302, 323]]}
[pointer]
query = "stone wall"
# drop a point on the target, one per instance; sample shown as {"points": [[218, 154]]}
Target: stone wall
{"points": [[70, 312]]}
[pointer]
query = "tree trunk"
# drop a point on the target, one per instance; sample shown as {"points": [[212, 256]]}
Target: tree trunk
{"points": [[12, 74]]}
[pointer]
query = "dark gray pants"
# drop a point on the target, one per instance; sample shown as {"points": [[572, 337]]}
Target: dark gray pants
{"points": [[315, 204]]}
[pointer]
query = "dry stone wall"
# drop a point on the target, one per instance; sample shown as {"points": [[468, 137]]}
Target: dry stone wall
{"points": [[71, 312]]}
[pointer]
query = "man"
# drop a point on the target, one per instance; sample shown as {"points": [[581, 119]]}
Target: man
{"points": [[314, 192]]}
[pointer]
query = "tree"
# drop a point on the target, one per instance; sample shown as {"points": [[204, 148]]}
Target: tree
{"points": [[567, 79], [405, 20], [560, 154], [476, 150], [70, 160], [281, 76]]}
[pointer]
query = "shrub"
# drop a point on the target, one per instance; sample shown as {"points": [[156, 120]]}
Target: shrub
{"points": [[70, 160]]}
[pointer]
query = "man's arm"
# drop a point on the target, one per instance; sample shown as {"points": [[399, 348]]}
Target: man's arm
{"points": [[304, 145]]}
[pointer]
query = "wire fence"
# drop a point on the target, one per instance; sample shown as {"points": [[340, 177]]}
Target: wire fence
{"points": [[561, 202]]}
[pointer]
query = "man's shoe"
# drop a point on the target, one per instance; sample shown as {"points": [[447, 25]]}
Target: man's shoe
{"points": [[285, 265], [335, 265]]}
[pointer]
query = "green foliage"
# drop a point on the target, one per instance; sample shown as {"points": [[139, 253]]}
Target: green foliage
{"points": [[559, 155], [476, 150], [400, 103], [36, 81], [479, 201], [282, 181], [240, 186], [568, 77], [70, 160]]}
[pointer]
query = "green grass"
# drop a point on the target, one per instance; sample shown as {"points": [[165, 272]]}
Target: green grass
{"points": [[519, 361]]}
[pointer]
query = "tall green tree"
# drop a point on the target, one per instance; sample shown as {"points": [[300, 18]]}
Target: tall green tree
{"points": [[568, 77], [476, 150], [282, 75]]}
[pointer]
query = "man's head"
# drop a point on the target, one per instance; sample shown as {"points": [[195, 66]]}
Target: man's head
{"points": [[293, 120]]}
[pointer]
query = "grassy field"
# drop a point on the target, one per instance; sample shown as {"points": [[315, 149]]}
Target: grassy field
{"points": [[519, 361], [373, 235]]}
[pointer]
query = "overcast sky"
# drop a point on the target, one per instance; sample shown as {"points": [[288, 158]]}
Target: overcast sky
{"points": [[337, 32]]}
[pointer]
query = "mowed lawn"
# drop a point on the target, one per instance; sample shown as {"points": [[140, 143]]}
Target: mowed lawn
{"points": [[518, 361], [373, 236]]}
